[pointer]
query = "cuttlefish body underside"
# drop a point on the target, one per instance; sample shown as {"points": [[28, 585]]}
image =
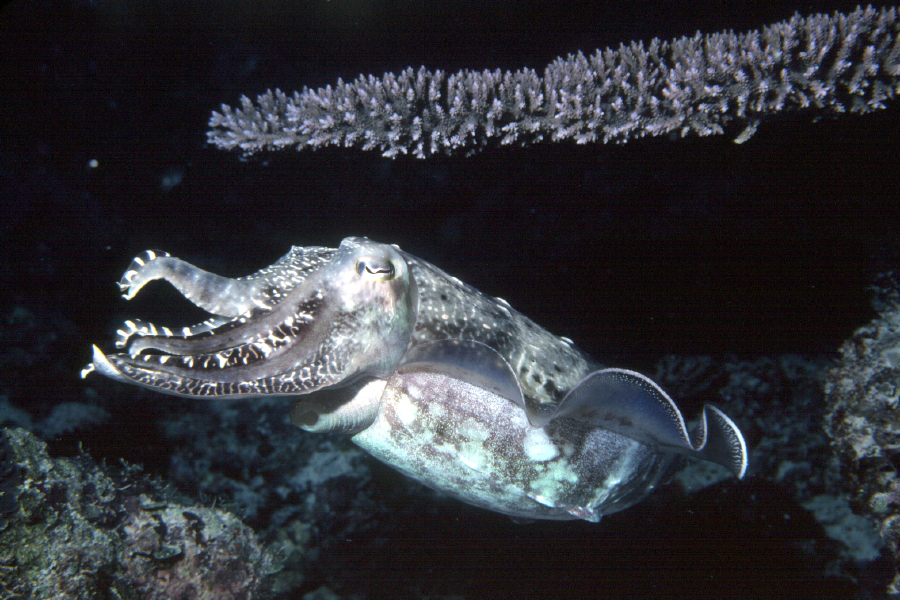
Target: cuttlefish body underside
{"points": [[450, 386]]}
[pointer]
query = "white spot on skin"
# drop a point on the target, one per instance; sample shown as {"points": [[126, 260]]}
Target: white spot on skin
{"points": [[548, 484], [538, 446], [414, 392], [407, 411], [473, 431]]}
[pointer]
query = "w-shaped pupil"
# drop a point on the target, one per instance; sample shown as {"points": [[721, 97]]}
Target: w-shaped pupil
{"points": [[375, 268]]}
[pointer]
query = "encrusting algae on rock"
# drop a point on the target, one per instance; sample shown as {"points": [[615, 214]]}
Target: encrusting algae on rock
{"points": [[863, 419], [72, 530]]}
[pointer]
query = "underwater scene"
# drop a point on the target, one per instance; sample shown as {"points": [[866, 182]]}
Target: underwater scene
{"points": [[389, 299]]}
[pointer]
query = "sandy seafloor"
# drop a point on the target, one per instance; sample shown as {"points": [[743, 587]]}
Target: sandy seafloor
{"points": [[730, 273]]}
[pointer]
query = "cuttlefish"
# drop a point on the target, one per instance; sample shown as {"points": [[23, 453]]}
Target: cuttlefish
{"points": [[452, 387]]}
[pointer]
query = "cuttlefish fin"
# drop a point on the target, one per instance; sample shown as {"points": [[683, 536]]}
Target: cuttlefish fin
{"points": [[466, 360], [634, 406]]}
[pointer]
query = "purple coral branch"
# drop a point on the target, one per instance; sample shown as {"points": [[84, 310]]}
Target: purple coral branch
{"points": [[831, 64]]}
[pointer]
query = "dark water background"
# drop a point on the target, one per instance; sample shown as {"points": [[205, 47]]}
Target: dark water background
{"points": [[661, 246]]}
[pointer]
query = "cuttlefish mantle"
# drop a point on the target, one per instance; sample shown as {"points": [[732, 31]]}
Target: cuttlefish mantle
{"points": [[450, 386]]}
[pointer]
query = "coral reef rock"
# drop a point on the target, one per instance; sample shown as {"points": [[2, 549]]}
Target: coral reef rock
{"points": [[72, 529], [863, 420]]}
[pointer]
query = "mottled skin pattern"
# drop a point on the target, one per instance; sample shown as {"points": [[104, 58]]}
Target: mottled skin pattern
{"points": [[546, 365], [481, 449], [449, 385]]}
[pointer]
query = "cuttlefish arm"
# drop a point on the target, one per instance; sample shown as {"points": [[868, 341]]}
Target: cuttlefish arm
{"points": [[224, 297], [322, 318]]}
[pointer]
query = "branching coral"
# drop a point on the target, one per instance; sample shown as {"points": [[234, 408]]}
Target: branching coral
{"points": [[831, 64]]}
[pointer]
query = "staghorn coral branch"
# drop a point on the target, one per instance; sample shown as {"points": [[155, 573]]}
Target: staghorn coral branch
{"points": [[827, 63]]}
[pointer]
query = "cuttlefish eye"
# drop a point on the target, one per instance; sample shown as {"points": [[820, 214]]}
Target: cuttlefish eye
{"points": [[375, 269]]}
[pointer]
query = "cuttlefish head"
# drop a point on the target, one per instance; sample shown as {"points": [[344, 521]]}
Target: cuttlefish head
{"points": [[318, 318]]}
